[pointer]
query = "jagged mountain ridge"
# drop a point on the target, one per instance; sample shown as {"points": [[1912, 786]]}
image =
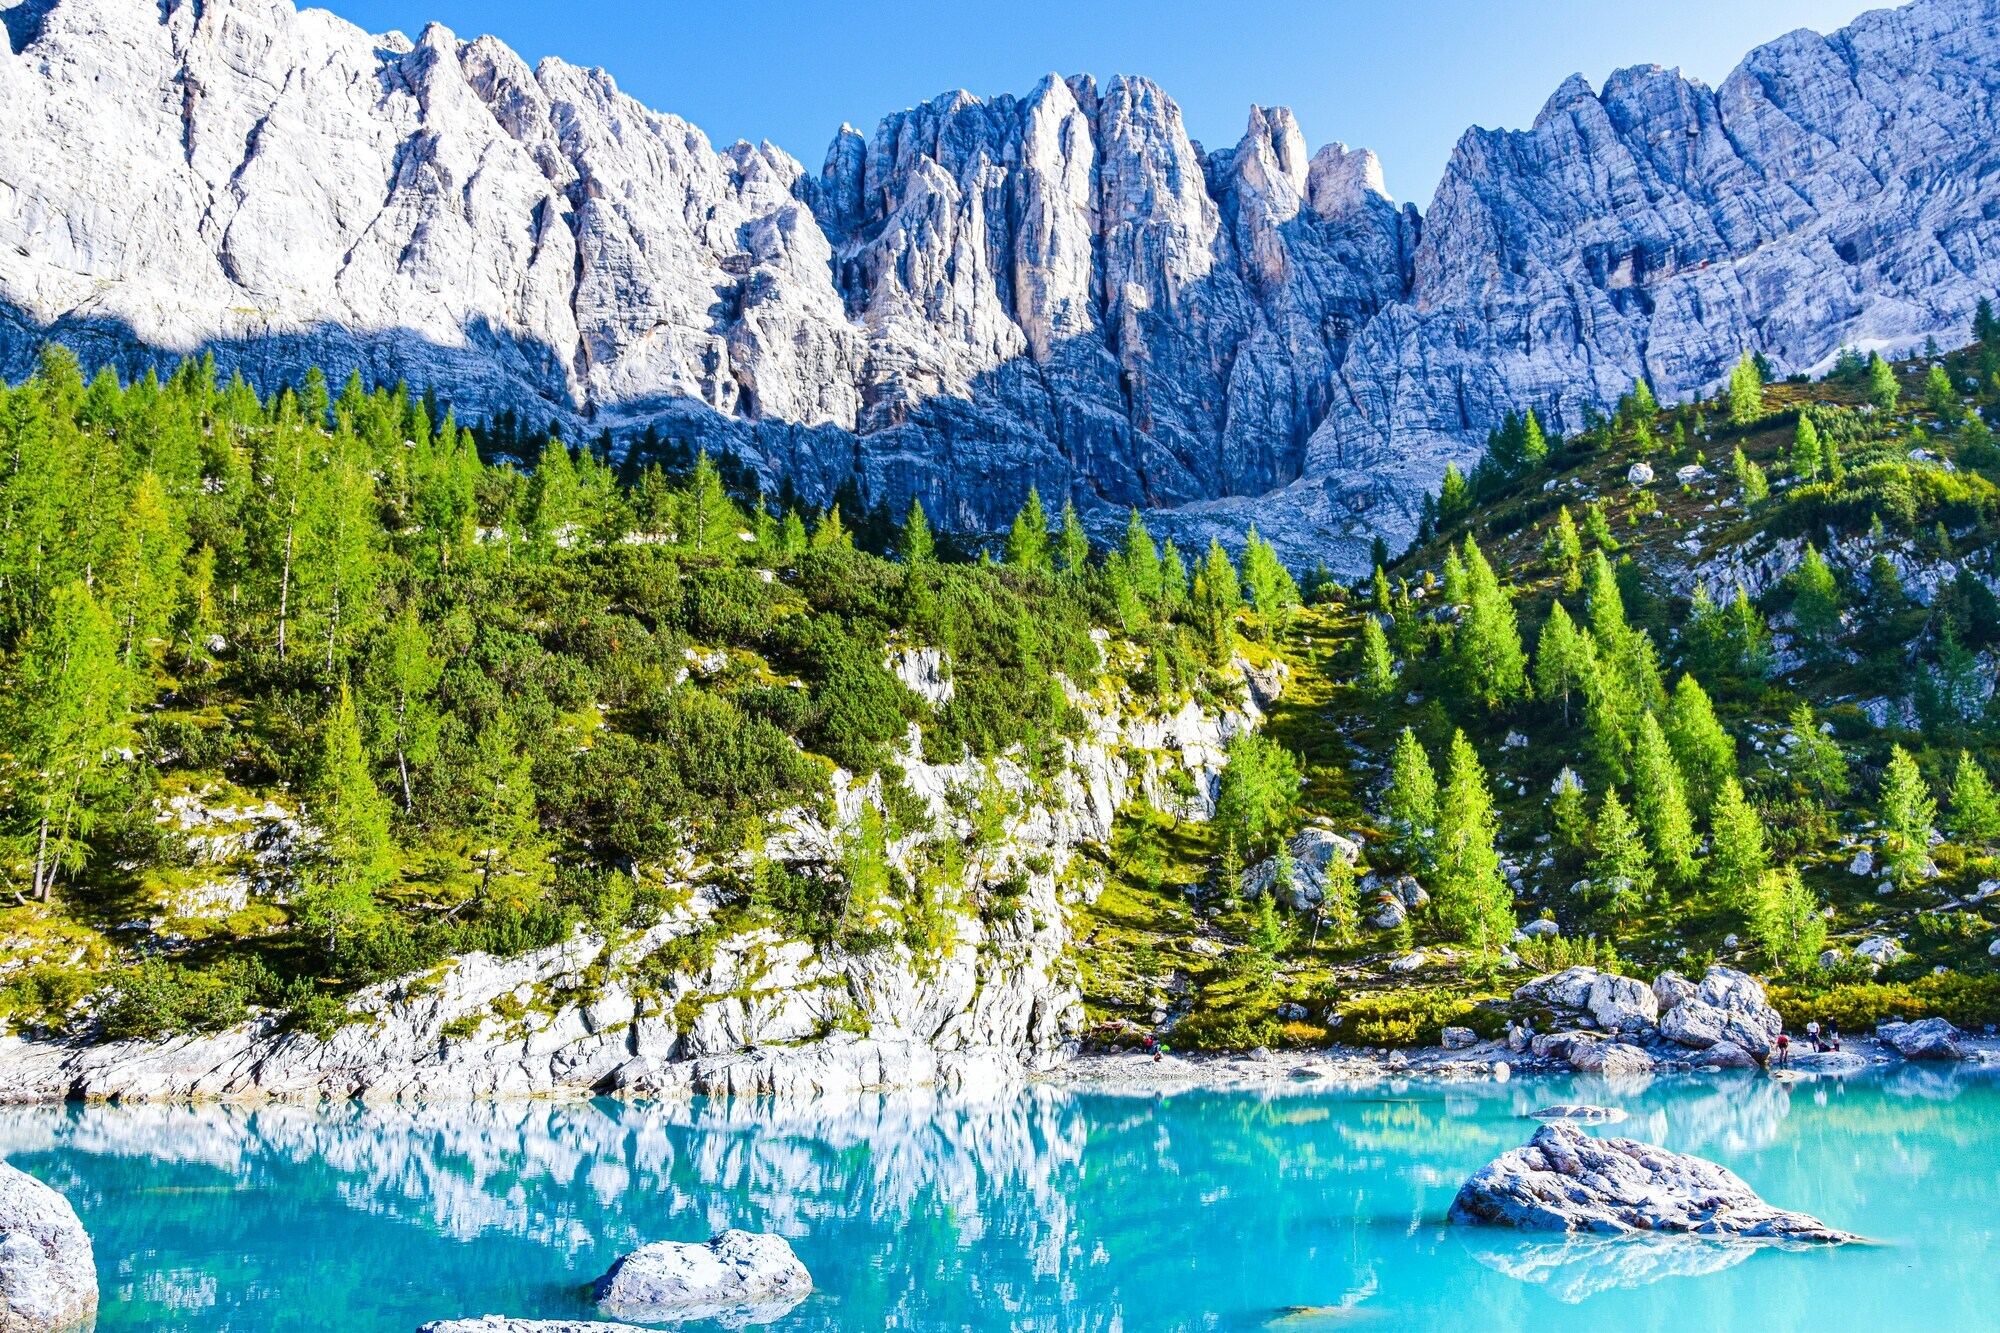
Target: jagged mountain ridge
{"points": [[1060, 289]]}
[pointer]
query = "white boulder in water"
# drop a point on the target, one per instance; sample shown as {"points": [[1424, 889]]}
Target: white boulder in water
{"points": [[737, 1272], [501, 1323], [1580, 1113], [1565, 1180], [48, 1277]]}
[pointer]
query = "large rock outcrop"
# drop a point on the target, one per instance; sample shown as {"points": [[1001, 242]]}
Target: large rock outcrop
{"points": [[736, 1276], [48, 1277], [1564, 1180], [1059, 289]]}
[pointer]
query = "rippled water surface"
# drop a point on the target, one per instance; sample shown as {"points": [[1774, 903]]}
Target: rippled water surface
{"points": [[1040, 1210]]}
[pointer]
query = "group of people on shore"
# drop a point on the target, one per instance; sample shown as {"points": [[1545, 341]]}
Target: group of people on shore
{"points": [[1823, 1038]]}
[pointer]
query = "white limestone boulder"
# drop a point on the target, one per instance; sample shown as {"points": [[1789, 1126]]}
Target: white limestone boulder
{"points": [[48, 1275], [736, 1274], [1727, 1005], [1566, 1181]]}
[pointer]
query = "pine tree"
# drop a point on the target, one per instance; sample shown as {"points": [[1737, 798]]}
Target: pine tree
{"points": [[1569, 820], [1487, 649], [1750, 479], [1746, 392], [1378, 668], [1141, 559], [919, 546], [1534, 444], [1661, 801], [1883, 391], [1621, 872], [1814, 758], [1739, 858], [1028, 539], [1272, 590], [63, 715], [1598, 527], [1471, 902], [554, 506], [1340, 904], [1975, 811], [503, 814], [1704, 751], [1224, 590], [1984, 327], [1560, 664], [403, 675], [1455, 497], [1939, 395], [1412, 799], [1786, 921], [1909, 817], [1807, 459], [353, 858], [1564, 551], [1816, 603]]}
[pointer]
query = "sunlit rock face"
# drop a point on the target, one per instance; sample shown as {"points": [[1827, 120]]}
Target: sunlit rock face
{"points": [[1060, 289]]}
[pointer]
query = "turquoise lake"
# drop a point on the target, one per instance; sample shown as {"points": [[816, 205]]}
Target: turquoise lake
{"points": [[1045, 1209]]}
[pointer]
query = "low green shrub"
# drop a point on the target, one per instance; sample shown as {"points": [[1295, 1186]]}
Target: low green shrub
{"points": [[1970, 1002], [1416, 1017]]}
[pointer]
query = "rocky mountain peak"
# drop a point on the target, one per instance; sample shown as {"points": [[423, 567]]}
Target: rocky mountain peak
{"points": [[1058, 289]]}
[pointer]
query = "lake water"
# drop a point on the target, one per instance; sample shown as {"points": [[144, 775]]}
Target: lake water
{"points": [[1047, 1209]]}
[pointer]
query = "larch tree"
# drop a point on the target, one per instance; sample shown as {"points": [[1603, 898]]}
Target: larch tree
{"points": [[1561, 659], [1786, 922], [1746, 392], [1412, 799], [65, 713], [1806, 456], [1883, 391], [1621, 871], [919, 546], [402, 679], [1975, 812], [1661, 802], [1072, 543], [1470, 898], [1909, 817], [1813, 758], [1816, 603], [1028, 538], [1739, 857], [1378, 667], [354, 856], [1564, 551], [1704, 751], [1487, 650]]}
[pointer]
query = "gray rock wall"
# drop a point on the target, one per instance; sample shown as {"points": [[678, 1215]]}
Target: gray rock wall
{"points": [[1059, 289]]}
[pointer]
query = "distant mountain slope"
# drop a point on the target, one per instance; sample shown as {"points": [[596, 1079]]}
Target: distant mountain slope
{"points": [[1060, 289]]}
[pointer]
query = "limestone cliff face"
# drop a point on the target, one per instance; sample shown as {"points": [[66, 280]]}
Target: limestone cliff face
{"points": [[1060, 289]]}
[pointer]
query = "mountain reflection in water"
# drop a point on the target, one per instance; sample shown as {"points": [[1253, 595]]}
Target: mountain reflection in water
{"points": [[1046, 1209]]}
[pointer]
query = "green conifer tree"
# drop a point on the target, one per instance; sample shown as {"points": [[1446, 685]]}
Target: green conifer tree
{"points": [[1564, 551], [1560, 665], [1816, 603], [1704, 751], [1621, 872], [919, 546], [1028, 538], [1806, 457], [1883, 391], [1471, 902], [1378, 667], [1412, 800], [1661, 802], [1909, 816], [1975, 811], [1739, 858], [1786, 922], [1746, 392]]}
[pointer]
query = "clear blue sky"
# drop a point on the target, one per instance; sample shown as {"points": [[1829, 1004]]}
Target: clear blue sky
{"points": [[1404, 77]]}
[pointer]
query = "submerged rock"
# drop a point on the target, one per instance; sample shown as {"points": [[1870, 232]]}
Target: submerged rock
{"points": [[1565, 1180], [501, 1323], [48, 1277], [735, 1273], [1582, 1114]]}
